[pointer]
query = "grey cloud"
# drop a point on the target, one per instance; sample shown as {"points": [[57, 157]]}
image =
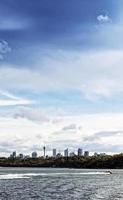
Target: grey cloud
{"points": [[8, 147], [31, 114], [71, 127], [101, 134], [66, 131], [35, 148], [91, 147], [39, 136], [64, 143], [97, 147]]}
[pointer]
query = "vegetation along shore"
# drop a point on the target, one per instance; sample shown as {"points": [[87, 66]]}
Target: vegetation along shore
{"points": [[102, 162]]}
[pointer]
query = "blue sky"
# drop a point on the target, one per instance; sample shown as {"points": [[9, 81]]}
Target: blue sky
{"points": [[61, 63]]}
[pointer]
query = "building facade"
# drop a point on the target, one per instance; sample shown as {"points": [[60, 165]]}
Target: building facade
{"points": [[86, 153], [54, 152], [34, 154], [80, 152], [66, 153]]}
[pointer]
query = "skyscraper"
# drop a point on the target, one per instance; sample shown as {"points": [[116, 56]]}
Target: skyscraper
{"points": [[14, 154], [44, 149], [54, 152], [80, 152], [34, 154], [66, 153], [86, 153]]}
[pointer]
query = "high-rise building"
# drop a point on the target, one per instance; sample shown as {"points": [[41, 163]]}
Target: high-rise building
{"points": [[34, 154], [14, 154], [72, 154], [54, 152], [58, 155], [21, 156], [96, 154], [44, 149], [86, 153], [80, 152], [66, 153]]}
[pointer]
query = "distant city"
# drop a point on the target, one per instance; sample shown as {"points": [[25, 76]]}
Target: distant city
{"points": [[55, 154]]}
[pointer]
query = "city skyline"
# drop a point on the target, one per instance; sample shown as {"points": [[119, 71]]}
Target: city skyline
{"points": [[61, 75], [53, 153]]}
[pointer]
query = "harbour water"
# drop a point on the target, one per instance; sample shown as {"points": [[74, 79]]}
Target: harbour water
{"points": [[64, 184]]}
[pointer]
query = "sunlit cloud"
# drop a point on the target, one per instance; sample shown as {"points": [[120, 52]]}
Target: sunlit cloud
{"points": [[7, 99], [99, 132], [94, 74], [61, 75], [103, 18]]}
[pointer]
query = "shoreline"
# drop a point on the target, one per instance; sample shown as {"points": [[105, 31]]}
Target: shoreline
{"points": [[75, 162]]}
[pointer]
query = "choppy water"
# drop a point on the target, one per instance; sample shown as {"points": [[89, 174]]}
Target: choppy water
{"points": [[64, 184]]}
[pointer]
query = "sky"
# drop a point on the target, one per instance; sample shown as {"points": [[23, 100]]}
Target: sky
{"points": [[61, 75]]}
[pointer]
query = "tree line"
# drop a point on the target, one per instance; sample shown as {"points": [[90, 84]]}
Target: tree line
{"points": [[90, 162]]}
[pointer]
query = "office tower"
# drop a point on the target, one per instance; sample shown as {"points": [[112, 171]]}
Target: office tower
{"points": [[66, 153], [14, 154], [21, 156], [44, 149], [86, 153], [80, 152], [34, 154], [58, 155], [54, 152], [72, 154]]}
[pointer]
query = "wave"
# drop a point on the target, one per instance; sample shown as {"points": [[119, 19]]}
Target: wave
{"points": [[12, 176], [78, 173], [29, 175]]}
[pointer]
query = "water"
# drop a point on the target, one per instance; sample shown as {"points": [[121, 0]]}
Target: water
{"points": [[64, 184]]}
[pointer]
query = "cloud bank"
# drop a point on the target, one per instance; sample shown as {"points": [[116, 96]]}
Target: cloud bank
{"points": [[100, 132], [95, 75]]}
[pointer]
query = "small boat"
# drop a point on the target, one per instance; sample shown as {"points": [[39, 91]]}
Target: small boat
{"points": [[108, 172]]}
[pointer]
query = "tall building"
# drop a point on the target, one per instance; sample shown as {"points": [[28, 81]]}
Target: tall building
{"points": [[34, 154], [44, 149], [66, 153], [96, 154], [54, 152], [72, 154], [86, 153], [21, 156], [58, 155], [14, 154], [80, 152]]}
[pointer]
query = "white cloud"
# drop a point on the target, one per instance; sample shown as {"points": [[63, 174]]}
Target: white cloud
{"points": [[7, 99], [97, 74], [35, 115], [4, 48], [26, 135], [103, 18], [14, 102]]}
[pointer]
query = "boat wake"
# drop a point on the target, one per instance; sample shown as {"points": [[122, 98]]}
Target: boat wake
{"points": [[30, 175]]}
